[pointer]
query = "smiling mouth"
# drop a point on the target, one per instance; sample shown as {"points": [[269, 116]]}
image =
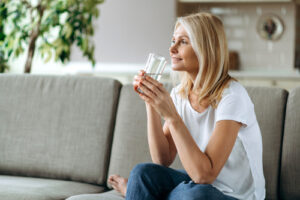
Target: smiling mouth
{"points": [[174, 59]]}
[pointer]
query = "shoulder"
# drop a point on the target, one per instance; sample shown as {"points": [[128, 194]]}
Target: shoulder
{"points": [[236, 92], [235, 88], [235, 104]]}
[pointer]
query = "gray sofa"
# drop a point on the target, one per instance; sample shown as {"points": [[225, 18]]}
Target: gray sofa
{"points": [[61, 136]]}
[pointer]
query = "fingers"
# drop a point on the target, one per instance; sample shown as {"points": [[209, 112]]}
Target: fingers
{"points": [[135, 86], [139, 76], [145, 91], [151, 87], [147, 86], [146, 98], [142, 72], [153, 81], [137, 79]]}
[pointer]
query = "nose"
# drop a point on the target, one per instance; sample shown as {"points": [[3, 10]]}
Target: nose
{"points": [[173, 49]]}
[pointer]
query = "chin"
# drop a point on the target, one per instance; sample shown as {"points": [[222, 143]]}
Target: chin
{"points": [[177, 68]]}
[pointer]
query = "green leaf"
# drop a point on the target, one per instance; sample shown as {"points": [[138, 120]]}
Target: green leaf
{"points": [[57, 42], [49, 56], [68, 30], [19, 50], [58, 52], [84, 45]]}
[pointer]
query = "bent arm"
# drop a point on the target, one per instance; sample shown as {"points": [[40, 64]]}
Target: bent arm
{"points": [[161, 144], [204, 167]]}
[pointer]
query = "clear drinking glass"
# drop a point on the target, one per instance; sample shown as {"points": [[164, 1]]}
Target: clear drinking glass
{"points": [[155, 66]]}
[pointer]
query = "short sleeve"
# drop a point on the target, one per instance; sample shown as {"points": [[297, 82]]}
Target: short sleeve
{"points": [[235, 107]]}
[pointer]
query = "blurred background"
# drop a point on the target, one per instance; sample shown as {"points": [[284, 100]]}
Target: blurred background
{"points": [[263, 40]]}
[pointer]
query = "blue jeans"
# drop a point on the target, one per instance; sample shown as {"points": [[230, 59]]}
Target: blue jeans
{"points": [[148, 181]]}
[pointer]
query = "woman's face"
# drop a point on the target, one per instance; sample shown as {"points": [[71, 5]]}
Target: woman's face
{"points": [[182, 54]]}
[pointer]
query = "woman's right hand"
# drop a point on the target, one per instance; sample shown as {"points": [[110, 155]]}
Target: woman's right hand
{"points": [[137, 79]]}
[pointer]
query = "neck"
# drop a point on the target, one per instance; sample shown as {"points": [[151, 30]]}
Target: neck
{"points": [[193, 76]]}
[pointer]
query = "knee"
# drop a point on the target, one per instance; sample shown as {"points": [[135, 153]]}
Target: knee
{"points": [[193, 191], [142, 169], [201, 191], [145, 170], [204, 188]]}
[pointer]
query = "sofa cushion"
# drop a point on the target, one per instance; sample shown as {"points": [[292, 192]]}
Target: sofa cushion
{"points": [[57, 126], [130, 145], [23, 188], [290, 162], [110, 195], [270, 111]]}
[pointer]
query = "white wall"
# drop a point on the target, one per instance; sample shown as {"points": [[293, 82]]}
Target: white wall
{"points": [[127, 31]]}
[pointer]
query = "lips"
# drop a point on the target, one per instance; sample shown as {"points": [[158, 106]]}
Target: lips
{"points": [[176, 59]]}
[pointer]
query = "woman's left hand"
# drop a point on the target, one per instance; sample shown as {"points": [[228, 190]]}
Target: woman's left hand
{"points": [[158, 97]]}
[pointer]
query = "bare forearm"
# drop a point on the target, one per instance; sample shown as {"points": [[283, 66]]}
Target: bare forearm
{"points": [[158, 143], [196, 163]]}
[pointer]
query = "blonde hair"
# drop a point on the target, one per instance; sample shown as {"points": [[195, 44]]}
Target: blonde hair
{"points": [[208, 40]]}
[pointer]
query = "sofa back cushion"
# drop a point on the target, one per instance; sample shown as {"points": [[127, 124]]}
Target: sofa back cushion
{"points": [[57, 126], [270, 111], [130, 145], [290, 162]]}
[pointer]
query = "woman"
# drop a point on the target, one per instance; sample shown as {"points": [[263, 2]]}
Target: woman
{"points": [[209, 121]]}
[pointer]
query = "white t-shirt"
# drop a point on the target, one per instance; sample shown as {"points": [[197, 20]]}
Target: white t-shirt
{"points": [[242, 175]]}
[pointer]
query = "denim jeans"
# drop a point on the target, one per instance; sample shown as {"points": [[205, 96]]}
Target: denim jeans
{"points": [[148, 181]]}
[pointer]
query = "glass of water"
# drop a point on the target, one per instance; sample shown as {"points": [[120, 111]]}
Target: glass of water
{"points": [[155, 66]]}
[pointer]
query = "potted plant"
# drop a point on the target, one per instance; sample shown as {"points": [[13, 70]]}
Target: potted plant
{"points": [[49, 27]]}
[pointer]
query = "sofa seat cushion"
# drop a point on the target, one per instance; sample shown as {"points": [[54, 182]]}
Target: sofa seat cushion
{"points": [[110, 195], [25, 188]]}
